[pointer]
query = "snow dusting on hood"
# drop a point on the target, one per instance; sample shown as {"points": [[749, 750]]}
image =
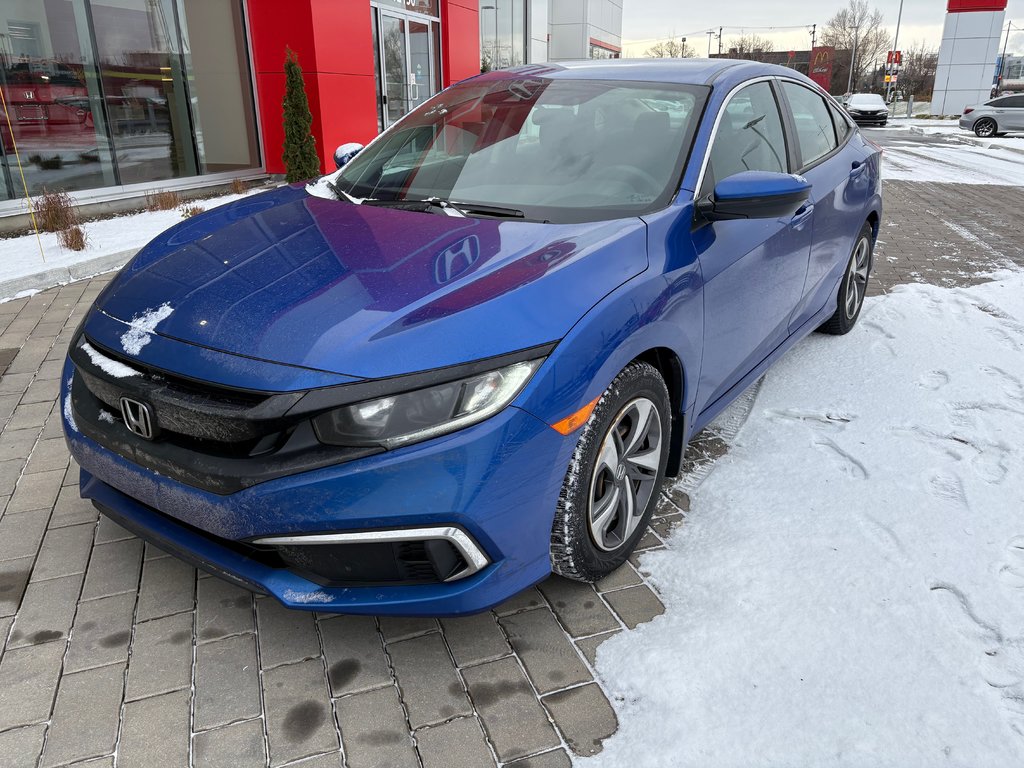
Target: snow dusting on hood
{"points": [[142, 327], [322, 188], [111, 367], [849, 592]]}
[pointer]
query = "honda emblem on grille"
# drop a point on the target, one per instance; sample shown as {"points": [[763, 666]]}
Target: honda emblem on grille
{"points": [[137, 418]]}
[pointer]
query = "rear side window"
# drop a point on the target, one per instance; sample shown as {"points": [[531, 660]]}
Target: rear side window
{"points": [[840, 121], [815, 135], [749, 138], [1012, 101]]}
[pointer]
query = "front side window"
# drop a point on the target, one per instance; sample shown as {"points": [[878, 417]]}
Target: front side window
{"points": [[558, 150], [749, 138], [814, 131]]}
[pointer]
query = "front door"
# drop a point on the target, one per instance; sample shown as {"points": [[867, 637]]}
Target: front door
{"points": [[406, 59]]}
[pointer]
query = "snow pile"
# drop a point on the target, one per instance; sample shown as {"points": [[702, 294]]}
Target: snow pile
{"points": [[141, 328], [849, 587], [111, 367], [952, 164]]}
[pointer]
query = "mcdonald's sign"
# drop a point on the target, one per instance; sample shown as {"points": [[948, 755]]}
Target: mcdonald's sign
{"points": [[820, 70]]}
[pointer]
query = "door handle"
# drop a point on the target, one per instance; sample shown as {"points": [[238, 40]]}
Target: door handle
{"points": [[801, 214]]}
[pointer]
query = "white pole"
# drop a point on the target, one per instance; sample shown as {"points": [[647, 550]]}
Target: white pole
{"points": [[895, 47]]}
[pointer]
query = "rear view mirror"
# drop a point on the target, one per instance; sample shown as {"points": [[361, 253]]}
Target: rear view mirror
{"points": [[344, 153], [755, 195]]}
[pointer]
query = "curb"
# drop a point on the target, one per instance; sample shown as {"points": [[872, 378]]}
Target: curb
{"points": [[48, 278], [967, 139]]}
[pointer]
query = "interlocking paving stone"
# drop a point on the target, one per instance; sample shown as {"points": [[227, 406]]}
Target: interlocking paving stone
{"points": [[401, 627], [21, 533], [21, 747], [107, 531], [456, 744], [30, 415], [239, 745], [584, 717], [222, 609], [330, 760], [531, 598], [514, 719], [28, 680], [155, 732], [578, 607], [37, 491], [102, 632], [374, 731], [71, 509], [113, 568], [431, 689], [49, 455], [473, 639], [635, 605], [589, 645], [168, 586], [299, 718], [550, 659], [623, 576], [14, 576], [47, 611], [285, 635], [227, 681], [556, 758], [16, 444], [161, 656], [355, 656], [65, 552], [85, 717]]}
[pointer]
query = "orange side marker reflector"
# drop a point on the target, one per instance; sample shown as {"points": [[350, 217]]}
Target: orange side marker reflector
{"points": [[573, 422]]}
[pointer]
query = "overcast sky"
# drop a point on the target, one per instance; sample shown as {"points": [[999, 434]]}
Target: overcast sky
{"points": [[644, 22]]}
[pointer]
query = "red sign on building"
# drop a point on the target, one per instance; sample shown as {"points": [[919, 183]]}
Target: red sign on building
{"points": [[820, 72]]}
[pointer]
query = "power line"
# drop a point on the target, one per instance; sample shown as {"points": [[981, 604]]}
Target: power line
{"points": [[705, 30]]}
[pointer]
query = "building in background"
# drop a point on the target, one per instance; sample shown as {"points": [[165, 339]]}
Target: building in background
{"points": [[967, 55], [514, 32], [1009, 74], [113, 98]]}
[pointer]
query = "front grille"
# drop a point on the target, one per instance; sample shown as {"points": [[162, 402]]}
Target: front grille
{"points": [[209, 436]]}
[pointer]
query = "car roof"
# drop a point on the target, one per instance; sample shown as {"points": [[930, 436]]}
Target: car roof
{"points": [[685, 71]]}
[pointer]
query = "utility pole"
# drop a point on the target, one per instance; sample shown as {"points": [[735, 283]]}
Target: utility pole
{"points": [[853, 60], [814, 35], [1002, 59], [895, 47], [682, 51], [710, 33], [719, 41]]}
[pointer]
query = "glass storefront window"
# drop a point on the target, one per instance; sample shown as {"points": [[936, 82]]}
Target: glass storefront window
{"points": [[111, 92], [503, 33], [50, 86]]}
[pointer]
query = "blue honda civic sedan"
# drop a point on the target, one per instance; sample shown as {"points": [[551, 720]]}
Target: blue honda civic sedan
{"points": [[471, 356]]}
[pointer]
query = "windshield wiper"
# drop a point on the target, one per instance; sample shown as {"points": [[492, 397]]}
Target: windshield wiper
{"points": [[448, 207]]}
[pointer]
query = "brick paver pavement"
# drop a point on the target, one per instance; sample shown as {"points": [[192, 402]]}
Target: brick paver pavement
{"points": [[113, 652]]}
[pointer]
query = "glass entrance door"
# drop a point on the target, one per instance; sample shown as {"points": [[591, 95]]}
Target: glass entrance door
{"points": [[407, 64]]}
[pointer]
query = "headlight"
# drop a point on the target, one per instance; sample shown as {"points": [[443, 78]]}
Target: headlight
{"points": [[409, 417]]}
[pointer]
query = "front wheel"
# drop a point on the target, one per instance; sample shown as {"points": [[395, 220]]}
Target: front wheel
{"points": [[614, 477], [985, 128], [853, 287]]}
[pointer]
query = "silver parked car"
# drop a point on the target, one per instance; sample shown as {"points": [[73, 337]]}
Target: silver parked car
{"points": [[996, 117]]}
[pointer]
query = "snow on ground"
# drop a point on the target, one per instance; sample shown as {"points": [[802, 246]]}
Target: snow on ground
{"points": [[19, 256], [960, 164], [848, 589]]}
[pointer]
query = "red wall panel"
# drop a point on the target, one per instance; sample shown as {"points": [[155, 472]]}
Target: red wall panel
{"points": [[273, 25], [960, 6], [348, 112], [460, 39], [343, 37]]}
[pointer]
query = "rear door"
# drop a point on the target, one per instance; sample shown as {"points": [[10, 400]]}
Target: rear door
{"points": [[753, 269], [1011, 114], [838, 173]]}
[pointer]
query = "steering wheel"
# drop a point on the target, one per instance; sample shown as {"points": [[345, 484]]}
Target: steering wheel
{"points": [[638, 178]]}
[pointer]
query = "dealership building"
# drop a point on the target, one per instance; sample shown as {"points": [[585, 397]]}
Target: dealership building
{"points": [[112, 98]]}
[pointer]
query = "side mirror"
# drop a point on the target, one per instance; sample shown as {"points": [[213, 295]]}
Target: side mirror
{"points": [[344, 153], [755, 195]]}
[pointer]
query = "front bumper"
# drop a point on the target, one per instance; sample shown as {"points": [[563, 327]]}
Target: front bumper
{"points": [[497, 481], [870, 119]]}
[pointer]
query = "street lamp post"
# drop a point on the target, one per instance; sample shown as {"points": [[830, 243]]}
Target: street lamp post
{"points": [[853, 60], [895, 47]]}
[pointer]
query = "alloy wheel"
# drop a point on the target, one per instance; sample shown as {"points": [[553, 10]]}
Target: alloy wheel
{"points": [[985, 128], [856, 283], [626, 474]]}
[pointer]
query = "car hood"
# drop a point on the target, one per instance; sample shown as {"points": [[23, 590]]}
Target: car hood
{"points": [[365, 291]]}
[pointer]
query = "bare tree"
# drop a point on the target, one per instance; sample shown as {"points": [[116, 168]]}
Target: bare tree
{"points": [[856, 27], [917, 72], [670, 49], [751, 47]]}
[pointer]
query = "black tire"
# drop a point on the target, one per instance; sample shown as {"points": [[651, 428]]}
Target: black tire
{"points": [[576, 552], [858, 270], [986, 128]]}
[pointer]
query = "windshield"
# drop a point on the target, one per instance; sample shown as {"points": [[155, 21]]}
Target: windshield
{"points": [[557, 150], [866, 100]]}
